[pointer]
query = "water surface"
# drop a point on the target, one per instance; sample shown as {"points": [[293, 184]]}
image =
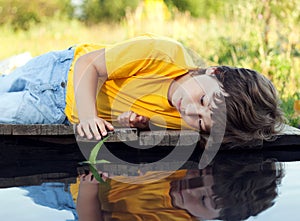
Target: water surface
{"points": [[254, 186]]}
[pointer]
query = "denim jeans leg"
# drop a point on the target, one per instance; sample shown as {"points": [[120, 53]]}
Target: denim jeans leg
{"points": [[35, 93], [9, 109]]}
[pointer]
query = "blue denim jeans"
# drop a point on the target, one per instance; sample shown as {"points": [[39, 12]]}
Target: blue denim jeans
{"points": [[35, 93]]}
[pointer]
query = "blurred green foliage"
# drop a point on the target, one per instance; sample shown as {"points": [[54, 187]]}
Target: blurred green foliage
{"points": [[287, 106], [22, 14], [95, 11], [199, 8], [258, 34]]}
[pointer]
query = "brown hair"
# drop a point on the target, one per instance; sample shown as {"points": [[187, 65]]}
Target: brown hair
{"points": [[245, 185], [252, 105]]}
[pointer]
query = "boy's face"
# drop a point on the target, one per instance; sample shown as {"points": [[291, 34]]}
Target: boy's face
{"points": [[194, 99], [198, 201]]}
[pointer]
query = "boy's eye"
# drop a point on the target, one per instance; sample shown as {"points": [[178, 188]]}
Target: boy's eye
{"points": [[203, 200], [200, 128], [202, 100]]}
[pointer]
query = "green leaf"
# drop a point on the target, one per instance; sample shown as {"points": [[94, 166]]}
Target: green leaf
{"points": [[96, 174], [93, 160], [96, 150], [97, 162]]}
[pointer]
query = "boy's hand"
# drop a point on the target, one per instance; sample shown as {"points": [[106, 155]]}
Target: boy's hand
{"points": [[131, 119], [88, 186], [90, 179], [93, 127]]}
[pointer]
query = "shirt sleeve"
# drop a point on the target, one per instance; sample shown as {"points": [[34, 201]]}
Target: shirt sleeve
{"points": [[146, 54]]}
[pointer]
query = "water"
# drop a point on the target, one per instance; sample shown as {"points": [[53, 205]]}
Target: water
{"points": [[32, 203], [260, 186], [287, 203]]}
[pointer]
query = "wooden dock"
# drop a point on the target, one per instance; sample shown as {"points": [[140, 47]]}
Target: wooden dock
{"points": [[33, 154], [159, 137], [290, 135]]}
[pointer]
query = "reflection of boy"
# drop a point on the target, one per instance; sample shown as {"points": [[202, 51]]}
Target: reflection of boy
{"points": [[245, 185], [229, 189], [129, 201]]}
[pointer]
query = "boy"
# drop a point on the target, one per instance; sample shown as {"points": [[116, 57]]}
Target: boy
{"points": [[141, 80]]}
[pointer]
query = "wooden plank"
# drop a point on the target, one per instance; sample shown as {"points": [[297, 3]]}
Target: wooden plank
{"points": [[49, 130], [144, 138], [174, 136], [288, 130], [36, 129], [65, 129], [188, 137], [168, 137], [33, 129], [5, 129], [153, 138], [118, 135], [125, 134]]}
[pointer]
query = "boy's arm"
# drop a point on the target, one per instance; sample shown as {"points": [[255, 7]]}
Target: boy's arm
{"points": [[88, 205], [89, 73], [131, 119]]}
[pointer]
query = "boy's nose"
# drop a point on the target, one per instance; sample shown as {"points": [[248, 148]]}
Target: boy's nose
{"points": [[192, 109]]}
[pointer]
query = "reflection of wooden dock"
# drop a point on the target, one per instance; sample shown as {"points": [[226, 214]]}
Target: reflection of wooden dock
{"points": [[32, 154], [31, 160]]}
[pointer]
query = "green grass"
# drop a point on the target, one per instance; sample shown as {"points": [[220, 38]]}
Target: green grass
{"points": [[236, 41]]}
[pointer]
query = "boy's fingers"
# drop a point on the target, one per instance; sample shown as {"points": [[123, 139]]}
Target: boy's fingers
{"points": [[124, 118], [79, 130], [104, 176], [109, 125], [102, 129], [141, 119], [94, 129], [132, 117], [87, 132], [82, 177]]}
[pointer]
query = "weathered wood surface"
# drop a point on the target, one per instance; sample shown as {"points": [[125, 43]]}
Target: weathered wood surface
{"points": [[118, 135], [151, 138], [30, 160], [144, 138], [36, 129], [168, 138]]}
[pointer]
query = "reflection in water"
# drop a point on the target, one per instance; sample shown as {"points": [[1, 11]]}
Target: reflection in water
{"points": [[52, 195], [232, 187], [47, 202], [245, 185]]}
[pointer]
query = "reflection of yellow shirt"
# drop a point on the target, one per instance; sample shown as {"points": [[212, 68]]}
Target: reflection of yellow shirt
{"points": [[123, 200], [126, 201], [140, 71]]}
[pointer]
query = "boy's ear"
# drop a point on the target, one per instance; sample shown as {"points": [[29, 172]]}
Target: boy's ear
{"points": [[211, 70], [198, 71]]}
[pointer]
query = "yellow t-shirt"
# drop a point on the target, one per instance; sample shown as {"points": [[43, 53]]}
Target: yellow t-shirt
{"points": [[140, 71]]}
